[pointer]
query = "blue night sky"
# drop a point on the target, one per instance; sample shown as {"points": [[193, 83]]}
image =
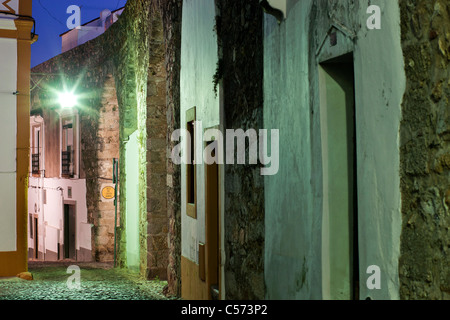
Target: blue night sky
{"points": [[51, 17]]}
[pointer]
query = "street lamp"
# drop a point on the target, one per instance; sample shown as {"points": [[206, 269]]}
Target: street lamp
{"points": [[67, 100]]}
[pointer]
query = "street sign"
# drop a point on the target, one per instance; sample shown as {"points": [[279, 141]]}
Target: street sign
{"points": [[108, 192]]}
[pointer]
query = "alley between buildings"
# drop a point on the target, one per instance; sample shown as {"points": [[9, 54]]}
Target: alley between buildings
{"points": [[98, 281], [103, 148]]}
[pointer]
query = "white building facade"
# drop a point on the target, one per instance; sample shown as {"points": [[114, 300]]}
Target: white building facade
{"points": [[58, 227], [89, 30]]}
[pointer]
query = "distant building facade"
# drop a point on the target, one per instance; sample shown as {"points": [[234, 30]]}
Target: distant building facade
{"points": [[59, 203], [66, 219], [120, 115], [58, 227], [16, 37], [90, 30]]}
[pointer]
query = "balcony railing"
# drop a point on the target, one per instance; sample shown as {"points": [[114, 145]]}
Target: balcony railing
{"points": [[35, 163], [67, 163]]}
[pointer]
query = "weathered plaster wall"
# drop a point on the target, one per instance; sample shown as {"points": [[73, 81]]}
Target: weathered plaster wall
{"points": [[199, 59], [425, 151], [292, 104], [379, 86], [292, 243]]}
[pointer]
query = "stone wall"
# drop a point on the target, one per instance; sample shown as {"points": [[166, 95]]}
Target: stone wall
{"points": [[240, 71], [156, 153], [108, 149], [425, 151], [171, 18]]}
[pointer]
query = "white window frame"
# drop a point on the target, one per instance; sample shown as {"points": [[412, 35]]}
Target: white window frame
{"points": [[37, 124], [62, 115]]}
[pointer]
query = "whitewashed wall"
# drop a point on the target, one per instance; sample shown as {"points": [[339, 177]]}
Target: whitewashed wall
{"points": [[51, 214], [8, 133], [199, 56], [293, 197]]}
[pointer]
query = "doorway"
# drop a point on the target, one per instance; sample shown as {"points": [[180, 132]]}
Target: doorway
{"points": [[340, 209], [69, 231], [213, 229], [35, 234]]}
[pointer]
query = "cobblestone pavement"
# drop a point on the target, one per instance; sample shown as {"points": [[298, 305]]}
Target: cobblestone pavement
{"points": [[99, 281]]}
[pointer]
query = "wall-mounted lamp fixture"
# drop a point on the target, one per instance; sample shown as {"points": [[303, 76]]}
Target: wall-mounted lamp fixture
{"points": [[276, 8], [67, 100]]}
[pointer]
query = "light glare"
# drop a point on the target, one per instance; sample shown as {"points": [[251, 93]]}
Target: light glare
{"points": [[67, 100]]}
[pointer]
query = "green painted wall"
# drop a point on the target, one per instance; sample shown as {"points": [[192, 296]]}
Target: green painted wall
{"points": [[132, 204], [294, 198]]}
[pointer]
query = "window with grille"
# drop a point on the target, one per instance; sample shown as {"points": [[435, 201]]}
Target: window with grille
{"points": [[68, 150]]}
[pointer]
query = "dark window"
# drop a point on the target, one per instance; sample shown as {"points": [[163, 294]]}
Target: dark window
{"points": [[191, 165], [68, 151], [35, 163]]}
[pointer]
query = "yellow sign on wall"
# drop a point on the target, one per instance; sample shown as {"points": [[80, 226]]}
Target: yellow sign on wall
{"points": [[108, 192]]}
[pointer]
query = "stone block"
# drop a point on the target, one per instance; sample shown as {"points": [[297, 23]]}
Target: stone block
{"points": [[25, 276]]}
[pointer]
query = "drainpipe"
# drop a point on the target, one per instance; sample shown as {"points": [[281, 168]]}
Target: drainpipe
{"points": [[115, 226], [62, 207], [115, 182], [41, 208], [42, 173], [42, 180]]}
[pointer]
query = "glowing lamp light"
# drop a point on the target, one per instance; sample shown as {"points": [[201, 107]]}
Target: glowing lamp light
{"points": [[67, 100]]}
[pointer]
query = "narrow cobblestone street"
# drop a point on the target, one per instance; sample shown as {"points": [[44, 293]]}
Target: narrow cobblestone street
{"points": [[99, 281]]}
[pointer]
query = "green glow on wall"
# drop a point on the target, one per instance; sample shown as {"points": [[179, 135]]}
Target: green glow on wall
{"points": [[132, 202]]}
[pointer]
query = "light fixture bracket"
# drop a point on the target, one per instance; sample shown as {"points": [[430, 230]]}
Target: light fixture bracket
{"points": [[276, 8]]}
